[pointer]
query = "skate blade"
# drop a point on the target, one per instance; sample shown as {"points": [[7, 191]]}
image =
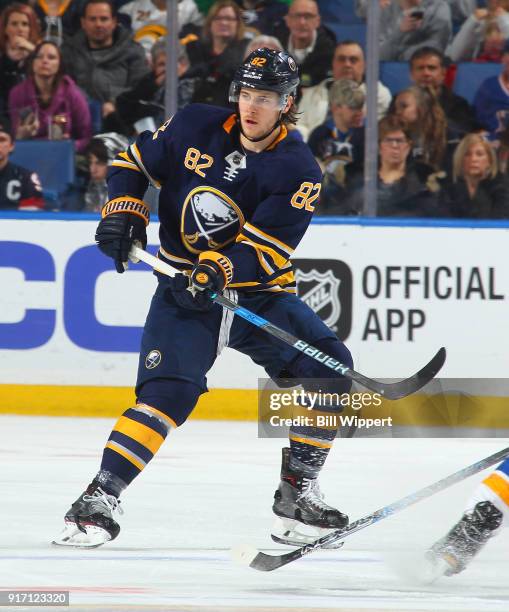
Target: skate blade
{"points": [[434, 567], [73, 537], [295, 533]]}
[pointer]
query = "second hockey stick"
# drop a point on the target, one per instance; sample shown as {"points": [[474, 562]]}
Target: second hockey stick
{"points": [[266, 563], [392, 391]]}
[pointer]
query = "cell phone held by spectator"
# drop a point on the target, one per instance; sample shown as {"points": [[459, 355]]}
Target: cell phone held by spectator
{"points": [[58, 128], [416, 13]]}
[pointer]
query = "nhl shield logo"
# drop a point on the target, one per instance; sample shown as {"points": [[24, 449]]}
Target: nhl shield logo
{"points": [[153, 359], [326, 286], [320, 292]]}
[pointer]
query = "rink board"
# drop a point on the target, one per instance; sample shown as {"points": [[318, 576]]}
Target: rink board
{"points": [[70, 326]]}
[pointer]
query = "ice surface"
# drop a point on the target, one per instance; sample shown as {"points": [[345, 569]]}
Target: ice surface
{"points": [[210, 488]]}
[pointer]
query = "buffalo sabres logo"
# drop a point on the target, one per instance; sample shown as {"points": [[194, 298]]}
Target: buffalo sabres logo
{"points": [[153, 359], [210, 220], [320, 292]]}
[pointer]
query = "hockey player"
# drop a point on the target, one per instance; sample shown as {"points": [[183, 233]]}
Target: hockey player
{"points": [[486, 512], [237, 195]]}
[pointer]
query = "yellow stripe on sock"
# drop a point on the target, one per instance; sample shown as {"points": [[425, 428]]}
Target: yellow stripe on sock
{"points": [[125, 454], [139, 432], [311, 442], [498, 485]]}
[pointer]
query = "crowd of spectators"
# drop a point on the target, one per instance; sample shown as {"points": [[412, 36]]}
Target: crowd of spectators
{"points": [[93, 72]]}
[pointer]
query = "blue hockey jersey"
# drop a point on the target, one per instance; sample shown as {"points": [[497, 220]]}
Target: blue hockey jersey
{"points": [[253, 207]]}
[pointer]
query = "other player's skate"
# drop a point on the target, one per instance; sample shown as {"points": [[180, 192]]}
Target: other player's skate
{"points": [[302, 514], [451, 554], [89, 522]]}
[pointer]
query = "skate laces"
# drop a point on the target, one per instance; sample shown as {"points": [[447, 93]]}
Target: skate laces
{"points": [[100, 499], [312, 494]]}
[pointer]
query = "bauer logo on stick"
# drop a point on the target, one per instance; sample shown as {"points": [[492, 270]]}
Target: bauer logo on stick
{"points": [[152, 360]]}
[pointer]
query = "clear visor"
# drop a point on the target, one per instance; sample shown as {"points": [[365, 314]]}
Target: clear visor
{"points": [[260, 98]]}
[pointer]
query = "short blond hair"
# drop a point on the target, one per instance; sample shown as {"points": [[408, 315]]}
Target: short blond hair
{"points": [[462, 149]]}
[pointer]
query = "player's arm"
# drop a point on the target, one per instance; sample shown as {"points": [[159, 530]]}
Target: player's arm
{"points": [[265, 244], [125, 215]]}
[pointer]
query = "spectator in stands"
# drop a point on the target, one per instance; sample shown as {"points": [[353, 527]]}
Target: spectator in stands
{"points": [[307, 41], [48, 104], [418, 109], [102, 58], [218, 51], [491, 102], [266, 16], [59, 18], [19, 33], [477, 190], [347, 63], [263, 41], [338, 144], [101, 152], [478, 35], [428, 69], [406, 25], [20, 189], [402, 187], [462, 9], [146, 100], [148, 19]]}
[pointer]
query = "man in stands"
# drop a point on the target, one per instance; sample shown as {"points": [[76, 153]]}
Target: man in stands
{"points": [[311, 45], [427, 69], [20, 189], [102, 58], [347, 63], [406, 25]]}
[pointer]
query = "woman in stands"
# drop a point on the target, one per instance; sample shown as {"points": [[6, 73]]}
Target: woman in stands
{"points": [[218, 52], [403, 189], [418, 108], [477, 37], [48, 104], [19, 33], [477, 189]]}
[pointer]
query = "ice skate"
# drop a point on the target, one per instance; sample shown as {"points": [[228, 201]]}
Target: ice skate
{"points": [[453, 552], [302, 514], [89, 522]]}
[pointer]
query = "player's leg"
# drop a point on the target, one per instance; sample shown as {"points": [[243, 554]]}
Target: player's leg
{"points": [[298, 501], [486, 511], [178, 348]]}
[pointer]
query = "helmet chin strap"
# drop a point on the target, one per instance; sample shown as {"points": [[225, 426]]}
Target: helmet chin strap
{"points": [[260, 138]]}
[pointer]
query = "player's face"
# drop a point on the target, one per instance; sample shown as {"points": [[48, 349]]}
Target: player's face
{"points": [[476, 163], [406, 108], [6, 147], [428, 72], [17, 25], [99, 24], [394, 148], [98, 169], [46, 62], [259, 110], [348, 63]]}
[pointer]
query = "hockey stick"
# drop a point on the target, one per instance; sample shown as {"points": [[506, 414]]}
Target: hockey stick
{"points": [[392, 391], [266, 563]]}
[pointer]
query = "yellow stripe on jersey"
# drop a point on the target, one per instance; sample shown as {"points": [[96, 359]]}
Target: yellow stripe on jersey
{"points": [[123, 164], [275, 241], [169, 256], [281, 136], [137, 157], [311, 441], [140, 433], [125, 156], [498, 485], [279, 260], [125, 454]]}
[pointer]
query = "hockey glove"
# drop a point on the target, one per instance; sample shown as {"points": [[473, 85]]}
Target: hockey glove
{"points": [[123, 223], [212, 273]]}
